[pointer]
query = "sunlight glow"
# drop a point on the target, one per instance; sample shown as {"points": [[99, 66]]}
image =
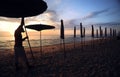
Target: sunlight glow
{"points": [[8, 26]]}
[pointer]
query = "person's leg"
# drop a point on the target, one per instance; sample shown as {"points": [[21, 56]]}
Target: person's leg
{"points": [[24, 57], [16, 57]]}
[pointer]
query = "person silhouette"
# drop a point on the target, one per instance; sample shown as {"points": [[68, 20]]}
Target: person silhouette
{"points": [[19, 51]]}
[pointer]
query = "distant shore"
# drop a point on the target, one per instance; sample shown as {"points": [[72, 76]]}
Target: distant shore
{"points": [[89, 59]]}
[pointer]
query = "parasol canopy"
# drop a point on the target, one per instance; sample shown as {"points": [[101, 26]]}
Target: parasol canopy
{"points": [[22, 8], [39, 27]]}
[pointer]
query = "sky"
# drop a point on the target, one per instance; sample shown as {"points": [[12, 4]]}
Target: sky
{"points": [[73, 12]]}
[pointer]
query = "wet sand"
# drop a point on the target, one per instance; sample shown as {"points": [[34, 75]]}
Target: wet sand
{"points": [[91, 59]]}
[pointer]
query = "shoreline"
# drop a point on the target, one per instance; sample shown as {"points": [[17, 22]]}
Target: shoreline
{"points": [[58, 48], [51, 48]]}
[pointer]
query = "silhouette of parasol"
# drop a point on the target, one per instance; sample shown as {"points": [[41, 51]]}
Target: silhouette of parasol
{"points": [[74, 35], [74, 32], [97, 33], [92, 33], [62, 41], [21, 8], [100, 31], [105, 31], [62, 30], [40, 27], [81, 35], [110, 32], [81, 28]]}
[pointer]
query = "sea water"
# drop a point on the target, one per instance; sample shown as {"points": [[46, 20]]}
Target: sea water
{"points": [[8, 42]]}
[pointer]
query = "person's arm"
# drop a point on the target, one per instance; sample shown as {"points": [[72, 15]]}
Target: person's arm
{"points": [[25, 38]]}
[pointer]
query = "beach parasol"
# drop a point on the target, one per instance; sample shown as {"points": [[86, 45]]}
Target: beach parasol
{"points": [[62, 36], [110, 32], [22, 8], [81, 32], [100, 31], [74, 35], [105, 31], [97, 33], [84, 32], [92, 32], [62, 30], [39, 27], [74, 32], [84, 35], [114, 32]]}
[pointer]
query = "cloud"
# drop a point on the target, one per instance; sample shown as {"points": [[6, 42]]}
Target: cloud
{"points": [[52, 15], [49, 17], [108, 24], [53, 3], [76, 21], [9, 19], [94, 14], [4, 33], [114, 11], [57, 1]]}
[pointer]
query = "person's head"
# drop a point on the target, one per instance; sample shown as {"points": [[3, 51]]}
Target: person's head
{"points": [[21, 29]]}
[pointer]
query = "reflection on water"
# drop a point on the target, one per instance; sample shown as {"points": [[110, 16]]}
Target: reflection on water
{"points": [[8, 42]]}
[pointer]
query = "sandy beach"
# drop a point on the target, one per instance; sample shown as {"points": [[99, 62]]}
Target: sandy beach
{"points": [[99, 58]]}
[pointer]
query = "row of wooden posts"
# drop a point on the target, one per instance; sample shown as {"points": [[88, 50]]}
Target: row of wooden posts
{"points": [[112, 33]]}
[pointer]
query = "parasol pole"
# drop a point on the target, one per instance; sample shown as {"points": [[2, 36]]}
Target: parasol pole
{"points": [[27, 38], [40, 44]]}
